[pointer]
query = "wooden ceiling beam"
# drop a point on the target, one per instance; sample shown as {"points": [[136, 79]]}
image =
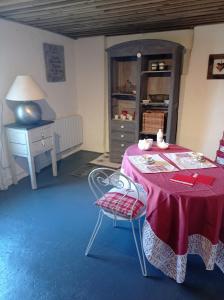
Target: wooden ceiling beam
{"points": [[134, 16], [188, 20], [112, 17], [152, 6], [141, 18], [158, 28], [77, 31], [37, 3], [78, 5]]}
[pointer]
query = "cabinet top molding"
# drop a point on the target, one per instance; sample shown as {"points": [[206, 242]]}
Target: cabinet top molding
{"points": [[145, 46]]}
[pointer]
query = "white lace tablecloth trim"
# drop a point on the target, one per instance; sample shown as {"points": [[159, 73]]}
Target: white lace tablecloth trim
{"points": [[160, 255]]}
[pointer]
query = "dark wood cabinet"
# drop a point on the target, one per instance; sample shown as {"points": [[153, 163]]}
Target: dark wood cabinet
{"points": [[144, 81]]}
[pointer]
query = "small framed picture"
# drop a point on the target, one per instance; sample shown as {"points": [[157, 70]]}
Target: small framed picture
{"points": [[55, 62], [216, 66]]}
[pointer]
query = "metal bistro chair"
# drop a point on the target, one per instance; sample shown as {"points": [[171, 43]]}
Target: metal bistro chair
{"points": [[120, 199]]}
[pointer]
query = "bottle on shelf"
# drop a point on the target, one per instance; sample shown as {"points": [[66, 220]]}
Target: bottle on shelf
{"points": [[159, 136]]}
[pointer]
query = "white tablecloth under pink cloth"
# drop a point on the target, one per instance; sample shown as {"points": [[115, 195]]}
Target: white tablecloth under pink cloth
{"points": [[180, 219]]}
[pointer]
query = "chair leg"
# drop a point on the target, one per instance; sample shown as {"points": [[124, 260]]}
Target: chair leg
{"points": [[140, 255], [95, 231], [141, 241]]}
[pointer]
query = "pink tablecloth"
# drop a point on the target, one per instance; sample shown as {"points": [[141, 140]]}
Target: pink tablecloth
{"points": [[180, 219]]}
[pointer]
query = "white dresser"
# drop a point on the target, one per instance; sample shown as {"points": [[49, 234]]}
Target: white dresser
{"points": [[29, 141]]}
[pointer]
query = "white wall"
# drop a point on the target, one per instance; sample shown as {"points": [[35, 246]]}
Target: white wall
{"points": [[90, 82], [202, 124], [21, 52]]}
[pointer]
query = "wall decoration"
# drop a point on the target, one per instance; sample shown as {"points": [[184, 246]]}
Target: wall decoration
{"points": [[216, 66], [55, 62]]}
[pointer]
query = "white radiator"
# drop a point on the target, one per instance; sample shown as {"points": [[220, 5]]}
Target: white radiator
{"points": [[68, 135]]}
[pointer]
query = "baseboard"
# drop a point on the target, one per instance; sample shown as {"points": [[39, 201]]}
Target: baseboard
{"points": [[68, 152]]}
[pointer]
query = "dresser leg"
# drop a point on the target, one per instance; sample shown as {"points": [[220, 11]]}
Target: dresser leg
{"points": [[13, 170], [12, 164], [32, 172], [54, 162]]}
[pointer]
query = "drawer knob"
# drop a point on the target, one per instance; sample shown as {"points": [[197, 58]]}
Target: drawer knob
{"points": [[122, 145], [122, 136], [122, 126]]}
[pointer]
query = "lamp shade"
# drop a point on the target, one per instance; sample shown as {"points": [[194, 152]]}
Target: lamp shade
{"points": [[24, 88]]}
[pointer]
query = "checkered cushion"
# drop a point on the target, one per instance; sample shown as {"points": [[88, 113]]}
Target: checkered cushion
{"points": [[119, 204]]}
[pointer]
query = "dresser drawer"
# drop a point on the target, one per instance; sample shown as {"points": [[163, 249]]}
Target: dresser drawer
{"points": [[41, 146], [16, 136], [123, 136], [128, 126], [18, 149], [119, 146], [40, 133]]}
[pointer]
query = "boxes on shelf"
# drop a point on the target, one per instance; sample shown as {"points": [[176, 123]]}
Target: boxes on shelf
{"points": [[152, 121]]}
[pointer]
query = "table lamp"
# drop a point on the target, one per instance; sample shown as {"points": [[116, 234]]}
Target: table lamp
{"points": [[25, 90]]}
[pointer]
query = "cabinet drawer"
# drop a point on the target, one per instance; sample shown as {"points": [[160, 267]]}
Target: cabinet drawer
{"points": [[40, 133], [123, 136], [116, 157], [16, 136], [128, 126], [41, 146], [119, 146], [117, 150]]}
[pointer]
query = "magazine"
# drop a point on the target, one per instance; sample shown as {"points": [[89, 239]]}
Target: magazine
{"points": [[188, 160], [151, 164]]}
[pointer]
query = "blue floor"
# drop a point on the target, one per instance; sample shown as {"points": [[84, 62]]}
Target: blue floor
{"points": [[43, 237]]}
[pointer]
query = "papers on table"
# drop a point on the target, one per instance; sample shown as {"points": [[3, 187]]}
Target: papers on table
{"points": [[187, 160], [160, 165]]}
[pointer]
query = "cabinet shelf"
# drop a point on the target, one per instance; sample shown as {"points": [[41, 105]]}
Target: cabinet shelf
{"points": [[159, 108], [150, 133], [124, 96], [157, 73], [155, 106], [120, 120]]}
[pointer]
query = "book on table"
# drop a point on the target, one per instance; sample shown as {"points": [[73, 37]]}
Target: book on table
{"points": [[192, 179], [185, 179]]}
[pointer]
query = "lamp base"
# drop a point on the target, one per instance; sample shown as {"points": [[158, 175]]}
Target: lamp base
{"points": [[28, 113]]}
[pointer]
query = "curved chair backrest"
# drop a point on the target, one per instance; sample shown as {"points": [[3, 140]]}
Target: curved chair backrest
{"points": [[103, 180], [220, 153]]}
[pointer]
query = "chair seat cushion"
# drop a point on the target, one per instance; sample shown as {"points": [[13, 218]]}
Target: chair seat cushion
{"points": [[120, 204]]}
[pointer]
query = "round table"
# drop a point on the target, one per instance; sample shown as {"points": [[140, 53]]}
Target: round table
{"points": [[180, 219]]}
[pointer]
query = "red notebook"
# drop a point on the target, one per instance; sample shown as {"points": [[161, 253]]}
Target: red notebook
{"points": [[185, 179], [208, 180]]}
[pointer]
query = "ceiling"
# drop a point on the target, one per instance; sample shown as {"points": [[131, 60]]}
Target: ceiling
{"points": [[81, 18]]}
